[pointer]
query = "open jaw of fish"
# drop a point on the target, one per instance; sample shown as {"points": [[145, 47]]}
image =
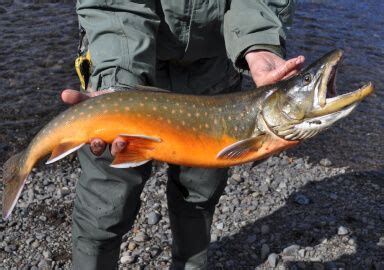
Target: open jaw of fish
{"points": [[327, 108]]}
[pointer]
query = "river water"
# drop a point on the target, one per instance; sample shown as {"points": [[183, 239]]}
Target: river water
{"points": [[38, 41]]}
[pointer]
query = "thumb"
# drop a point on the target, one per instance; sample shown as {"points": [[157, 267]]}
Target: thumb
{"points": [[70, 96]]}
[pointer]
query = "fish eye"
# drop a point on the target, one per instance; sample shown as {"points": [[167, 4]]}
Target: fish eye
{"points": [[307, 78]]}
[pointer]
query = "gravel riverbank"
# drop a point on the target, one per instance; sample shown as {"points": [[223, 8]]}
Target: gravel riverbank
{"points": [[286, 213]]}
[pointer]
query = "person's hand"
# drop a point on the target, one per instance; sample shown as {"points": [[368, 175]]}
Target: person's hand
{"points": [[268, 68], [97, 145]]}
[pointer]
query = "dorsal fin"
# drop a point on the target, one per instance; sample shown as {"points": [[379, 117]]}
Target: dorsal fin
{"points": [[150, 88]]}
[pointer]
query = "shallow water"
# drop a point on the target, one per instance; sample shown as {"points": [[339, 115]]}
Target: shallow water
{"points": [[38, 43]]}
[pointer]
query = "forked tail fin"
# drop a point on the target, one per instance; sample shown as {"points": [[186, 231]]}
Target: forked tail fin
{"points": [[14, 177]]}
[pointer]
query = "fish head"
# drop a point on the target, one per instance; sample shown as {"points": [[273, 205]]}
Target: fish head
{"points": [[306, 104]]}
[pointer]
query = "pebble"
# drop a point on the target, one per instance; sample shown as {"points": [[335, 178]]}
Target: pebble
{"points": [[237, 177], [44, 265], [140, 237], [302, 253], [272, 260], [291, 250], [325, 162], [318, 266], [127, 259], [153, 218], [220, 226], [264, 251], [64, 191], [252, 238], [302, 199], [264, 229], [132, 246], [342, 230]]}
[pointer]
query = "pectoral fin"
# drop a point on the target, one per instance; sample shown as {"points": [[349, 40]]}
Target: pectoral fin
{"points": [[63, 150], [242, 148], [137, 151]]}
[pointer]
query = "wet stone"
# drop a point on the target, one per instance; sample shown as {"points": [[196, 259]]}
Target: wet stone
{"points": [[325, 162], [342, 230], [153, 218], [302, 199], [272, 259], [140, 237], [264, 251], [291, 250]]}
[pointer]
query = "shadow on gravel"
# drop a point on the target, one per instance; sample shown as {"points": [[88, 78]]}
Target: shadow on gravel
{"points": [[352, 200]]}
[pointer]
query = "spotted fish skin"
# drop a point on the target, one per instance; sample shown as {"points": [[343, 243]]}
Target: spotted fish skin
{"points": [[175, 128]]}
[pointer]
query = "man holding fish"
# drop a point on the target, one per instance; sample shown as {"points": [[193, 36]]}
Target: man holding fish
{"points": [[181, 46]]}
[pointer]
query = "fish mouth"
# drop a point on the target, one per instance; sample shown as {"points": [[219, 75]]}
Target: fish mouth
{"points": [[326, 101], [327, 107]]}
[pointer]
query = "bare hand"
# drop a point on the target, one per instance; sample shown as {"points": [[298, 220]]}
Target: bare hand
{"points": [[97, 145], [268, 68]]}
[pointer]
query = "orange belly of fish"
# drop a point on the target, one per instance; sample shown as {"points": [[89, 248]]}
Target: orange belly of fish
{"points": [[179, 145]]}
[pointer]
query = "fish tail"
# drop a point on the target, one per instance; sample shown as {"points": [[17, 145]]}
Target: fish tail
{"points": [[15, 173]]}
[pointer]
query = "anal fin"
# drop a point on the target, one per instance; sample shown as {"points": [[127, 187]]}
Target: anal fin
{"points": [[62, 150], [137, 151], [241, 149]]}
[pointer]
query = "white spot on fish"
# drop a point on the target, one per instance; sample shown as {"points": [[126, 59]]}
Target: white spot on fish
{"points": [[126, 108], [146, 98], [229, 118], [105, 111], [197, 114], [215, 121], [103, 105], [169, 121], [189, 114], [181, 111], [141, 104], [73, 117], [154, 108], [173, 111], [81, 113], [206, 125], [115, 104], [90, 107], [120, 99], [183, 123], [165, 107]]}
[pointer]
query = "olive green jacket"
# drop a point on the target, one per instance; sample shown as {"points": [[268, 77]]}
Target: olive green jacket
{"points": [[127, 39]]}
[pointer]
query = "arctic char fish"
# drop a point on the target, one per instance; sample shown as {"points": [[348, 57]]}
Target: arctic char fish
{"points": [[203, 131]]}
